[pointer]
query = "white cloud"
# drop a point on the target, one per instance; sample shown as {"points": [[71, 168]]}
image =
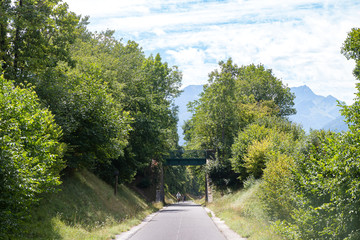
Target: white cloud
{"points": [[300, 40]]}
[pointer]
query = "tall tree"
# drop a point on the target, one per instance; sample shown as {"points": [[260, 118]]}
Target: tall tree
{"points": [[86, 104], [234, 97], [141, 91], [36, 35], [150, 100], [351, 49], [30, 154], [256, 81]]}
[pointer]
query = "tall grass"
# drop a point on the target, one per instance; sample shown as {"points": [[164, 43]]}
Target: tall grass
{"points": [[244, 213], [86, 208]]}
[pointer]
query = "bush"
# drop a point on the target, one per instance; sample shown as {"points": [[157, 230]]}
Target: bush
{"points": [[257, 156], [277, 188], [252, 133], [29, 153], [327, 187], [254, 144]]}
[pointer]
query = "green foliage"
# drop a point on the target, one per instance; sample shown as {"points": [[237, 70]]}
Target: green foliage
{"points": [[234, 98], [30, 153], [95, 127], [266, 149], [316, 182], [35, 36], [115, 106], [149, 102], [252, 133], [244, 213], [144, 88], [259, 141], [323, 189], [351, 49], [222, 175], [265, 87], [321, 179], [177, 179], [256, 157], [98, 126], [277, 187]]}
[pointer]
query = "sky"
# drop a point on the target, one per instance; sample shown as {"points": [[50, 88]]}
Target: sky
{"points": [[300, 40]]}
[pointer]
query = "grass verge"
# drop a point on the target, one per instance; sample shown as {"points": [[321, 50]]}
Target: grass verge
{"points": [[243, 212], [86, 208]]}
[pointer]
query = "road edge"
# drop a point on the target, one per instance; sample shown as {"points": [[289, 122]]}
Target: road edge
{"points": [[128, 234], [220, 224]]}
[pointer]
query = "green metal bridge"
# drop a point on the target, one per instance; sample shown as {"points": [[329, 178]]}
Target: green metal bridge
{"points": [[188, 157]]}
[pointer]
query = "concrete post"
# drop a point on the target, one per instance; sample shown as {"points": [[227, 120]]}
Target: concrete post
{"points": [[116, 174], [162, 192], [208, 193], [206, 188]]}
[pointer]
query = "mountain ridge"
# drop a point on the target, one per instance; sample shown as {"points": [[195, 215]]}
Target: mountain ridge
{"points": [[313, 111]]}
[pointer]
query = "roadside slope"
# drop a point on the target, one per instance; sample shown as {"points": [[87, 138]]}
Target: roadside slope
{"points": [[243, 212], [86, 208]]}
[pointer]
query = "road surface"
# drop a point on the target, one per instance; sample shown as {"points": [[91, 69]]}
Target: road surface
{"points": [[182, 221]]}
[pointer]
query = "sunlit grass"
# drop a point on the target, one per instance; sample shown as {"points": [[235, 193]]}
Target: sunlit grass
{"points": [[86, 208], [243, 212]]}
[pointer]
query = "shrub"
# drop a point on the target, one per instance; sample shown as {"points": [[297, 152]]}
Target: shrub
{"points": [[29, 153], [277, 188], [252, 133], [257, 156], [327, 187]]}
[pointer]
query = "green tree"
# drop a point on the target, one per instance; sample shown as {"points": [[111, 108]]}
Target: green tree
{"points": [[30, 154], [326, 174], [325, 185], [95, 127], [254, 145], [265, 87], [35, 36], [141, 89], [351, 49], [5, 8], [234, 98], [150, 100]]}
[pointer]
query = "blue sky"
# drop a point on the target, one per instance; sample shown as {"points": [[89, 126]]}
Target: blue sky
{"points": [[299, 40]]}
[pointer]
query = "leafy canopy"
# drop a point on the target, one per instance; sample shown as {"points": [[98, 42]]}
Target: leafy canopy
{"points": [[30, 153]]}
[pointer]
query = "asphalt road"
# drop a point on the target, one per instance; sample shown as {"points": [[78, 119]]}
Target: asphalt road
{"points": [[183, 221]]}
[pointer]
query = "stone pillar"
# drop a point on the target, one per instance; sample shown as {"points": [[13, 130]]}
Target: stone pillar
{"points": [[206, 188], [208, 192], [162, 192]]}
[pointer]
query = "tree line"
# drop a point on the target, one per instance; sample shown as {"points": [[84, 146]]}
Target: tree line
{"points": [[309, 183], [74, 99]]}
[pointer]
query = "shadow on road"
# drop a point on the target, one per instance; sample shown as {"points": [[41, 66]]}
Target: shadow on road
{"points": [[184, 204]]}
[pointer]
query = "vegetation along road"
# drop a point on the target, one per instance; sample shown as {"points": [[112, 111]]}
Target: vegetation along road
{"points": [[82, 112]]}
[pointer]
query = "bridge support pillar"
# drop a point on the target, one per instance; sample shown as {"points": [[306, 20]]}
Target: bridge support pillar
{"points": [[208, 192], [162, 192]]}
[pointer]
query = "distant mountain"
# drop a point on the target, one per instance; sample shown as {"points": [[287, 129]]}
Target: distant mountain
{"points": [[313, 111], [316, 112], [337, 125]]}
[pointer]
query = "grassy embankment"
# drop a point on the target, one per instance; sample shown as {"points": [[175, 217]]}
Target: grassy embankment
{"points": [[243, 212], [86, 208]]}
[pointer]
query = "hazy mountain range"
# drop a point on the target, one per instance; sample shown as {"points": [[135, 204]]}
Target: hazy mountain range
{"points": [[317, 112], [313, 111]]}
